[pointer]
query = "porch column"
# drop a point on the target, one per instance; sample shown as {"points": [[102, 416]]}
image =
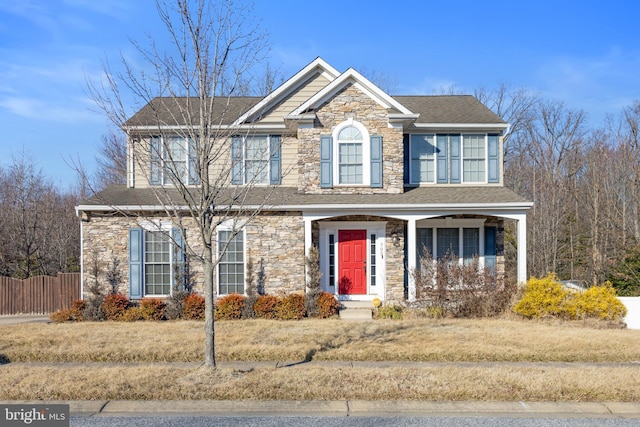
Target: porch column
{"points": [[522, 248], [411, 255]]}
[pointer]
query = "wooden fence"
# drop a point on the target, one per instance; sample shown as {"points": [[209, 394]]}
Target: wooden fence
{"points": [[39, 294]]}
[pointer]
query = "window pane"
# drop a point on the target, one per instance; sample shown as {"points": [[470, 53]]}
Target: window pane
{"points": [[231, 266], [350, 133], [448, 242], [422, 158], [474, 158], [157, 267], [256, 159], [471, 243], [350, 163], [424, 239]]}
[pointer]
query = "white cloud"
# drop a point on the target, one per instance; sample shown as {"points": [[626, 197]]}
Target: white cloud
{"points": [[43, 110]]}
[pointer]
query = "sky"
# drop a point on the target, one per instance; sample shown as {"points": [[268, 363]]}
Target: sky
{"points": [[585, 54]]}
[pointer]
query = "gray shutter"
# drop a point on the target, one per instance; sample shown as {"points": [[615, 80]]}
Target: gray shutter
{"points": [[194, 174], [178, 266], [326, 162], [136, 259], [441, 145], [236, 160], [155, 161], [376, 161], [275, 160], [490, 248], [494, 159], [454, 155]]}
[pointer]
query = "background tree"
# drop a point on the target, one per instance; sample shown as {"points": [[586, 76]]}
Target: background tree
{"points": [[214, 48], [111, 160]]}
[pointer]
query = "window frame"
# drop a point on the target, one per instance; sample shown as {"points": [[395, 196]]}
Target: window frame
{"points": [[161, 160], [461, 225], [365, 153], [221, 262], [164, 239], [268, 158], [433, 158]]}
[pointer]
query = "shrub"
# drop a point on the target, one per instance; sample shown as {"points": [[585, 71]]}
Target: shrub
{"points": [[193, 307], [313, 283], [229, 307], [290, 307], [389, 312], [174, 308], [65, 315], [543, 297], [598, 302], [460, 289], [133, 314], [114, 306], [265, 306], [153, 308], [328, 305]]}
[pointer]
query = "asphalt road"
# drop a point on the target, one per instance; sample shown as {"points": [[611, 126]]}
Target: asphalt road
{"points": [[395, 421]]}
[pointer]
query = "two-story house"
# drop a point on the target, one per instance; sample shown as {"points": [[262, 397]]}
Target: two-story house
{"points": [[368, 178]]}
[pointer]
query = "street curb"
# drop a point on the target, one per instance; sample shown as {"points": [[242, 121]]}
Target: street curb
{"points": [[344, 408]]}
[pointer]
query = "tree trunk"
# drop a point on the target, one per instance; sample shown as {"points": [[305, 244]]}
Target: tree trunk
{"points": [[209, 331]]}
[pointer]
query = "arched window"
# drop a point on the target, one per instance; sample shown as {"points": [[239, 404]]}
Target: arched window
{"points": [[351, 141]]}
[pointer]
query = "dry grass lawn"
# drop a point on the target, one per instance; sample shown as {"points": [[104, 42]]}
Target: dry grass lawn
{"points": [[442, 340]]}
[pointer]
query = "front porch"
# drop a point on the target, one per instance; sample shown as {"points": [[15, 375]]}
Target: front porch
{"points": [[368, 257]]}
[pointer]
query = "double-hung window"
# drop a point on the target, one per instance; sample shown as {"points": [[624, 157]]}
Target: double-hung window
{"points": [[230, 262], [173, 159], [350, 156], [256, 159], [453, 158], [460, 239], [156, 258]]}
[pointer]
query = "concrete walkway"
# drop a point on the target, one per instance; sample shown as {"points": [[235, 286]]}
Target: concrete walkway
{"points": [[345, 408], [24, 318]]}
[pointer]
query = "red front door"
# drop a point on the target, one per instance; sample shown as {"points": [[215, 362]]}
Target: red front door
{"points": [[352, 250]]}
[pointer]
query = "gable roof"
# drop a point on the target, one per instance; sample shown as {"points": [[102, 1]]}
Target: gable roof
{"points": [[424, 111]]}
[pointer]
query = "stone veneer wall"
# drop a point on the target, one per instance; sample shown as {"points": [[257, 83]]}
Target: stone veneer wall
{"points": [[274, 242], [350, 103]]}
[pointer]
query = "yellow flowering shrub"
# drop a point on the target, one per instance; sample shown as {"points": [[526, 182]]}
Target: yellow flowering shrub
{"points": [[599, 302], [546, 297], [543, 297]]}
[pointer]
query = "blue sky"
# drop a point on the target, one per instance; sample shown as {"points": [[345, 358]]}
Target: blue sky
{"points": [[585, 53]]}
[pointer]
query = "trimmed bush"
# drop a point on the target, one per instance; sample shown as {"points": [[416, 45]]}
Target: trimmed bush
{"points": [[543, 297], [328, 305], [133, 314], [290, 307], [598, 302], [229, 307], [265, 306], [153, 308], [114, 306], [65, 315], [193, 307]]}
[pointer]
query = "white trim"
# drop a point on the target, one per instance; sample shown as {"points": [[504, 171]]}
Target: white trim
{"points": [[222, 228], [290, 85], [362, 83], [251, 126], [372, 227], [366, 153], [449, 126]]}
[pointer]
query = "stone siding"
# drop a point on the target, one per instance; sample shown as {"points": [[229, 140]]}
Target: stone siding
{"points": [[350, 103]]}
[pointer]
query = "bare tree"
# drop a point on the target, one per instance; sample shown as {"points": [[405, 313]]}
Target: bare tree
{"points": [[187, 86], [111, 160]]}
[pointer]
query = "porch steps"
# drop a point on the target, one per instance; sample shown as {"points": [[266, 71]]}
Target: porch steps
{"points": [[356, 310]]}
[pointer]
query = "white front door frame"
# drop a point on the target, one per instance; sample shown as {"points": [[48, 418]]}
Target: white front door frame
{"points": [[373, 228]]}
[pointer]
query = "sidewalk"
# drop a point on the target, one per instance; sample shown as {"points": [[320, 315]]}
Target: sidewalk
{"points": [[24, 318], [351, 408]]}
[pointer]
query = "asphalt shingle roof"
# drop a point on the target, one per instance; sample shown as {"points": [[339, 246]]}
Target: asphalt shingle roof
{"points": [[288, 197]]}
